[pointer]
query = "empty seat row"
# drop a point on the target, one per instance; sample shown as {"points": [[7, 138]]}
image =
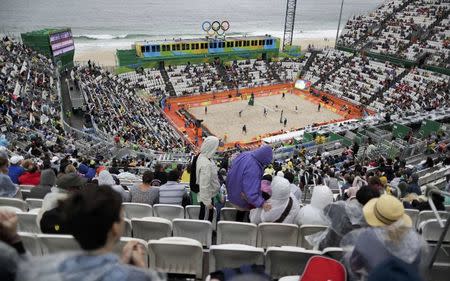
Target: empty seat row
{"points": [[185, 256]]}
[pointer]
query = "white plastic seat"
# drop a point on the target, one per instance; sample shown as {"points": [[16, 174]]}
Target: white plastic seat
{"points": [[333, 252], [306, 230], [194, 229], [151, 228], [277, 234], [118, 248], [11, 209], [431, 231], [168, 211], [228, 214], [283, 261], [27, 222], [34, 203], [128, 228], [413, 214], [236, 233], [53, 243], [428, 215], [137, 210], [176, 255], [234, 255], [31, 243], [290, 278], [193, 212], [14, 202]]}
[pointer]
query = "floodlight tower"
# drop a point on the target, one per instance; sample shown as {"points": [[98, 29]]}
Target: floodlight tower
{"points": [[289, 23]]}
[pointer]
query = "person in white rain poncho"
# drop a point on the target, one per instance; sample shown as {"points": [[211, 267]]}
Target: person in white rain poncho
{"points": [[285, 207], [105, 178], [313, 213], [207, 177]]}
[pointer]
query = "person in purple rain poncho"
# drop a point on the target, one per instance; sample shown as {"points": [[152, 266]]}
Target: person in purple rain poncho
{"points": [[244, 180]]}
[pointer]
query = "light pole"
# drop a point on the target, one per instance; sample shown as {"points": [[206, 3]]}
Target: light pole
{"points": [[339, 24]]}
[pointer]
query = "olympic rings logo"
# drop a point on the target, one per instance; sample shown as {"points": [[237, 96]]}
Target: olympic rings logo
{"points": [[215, 27]]}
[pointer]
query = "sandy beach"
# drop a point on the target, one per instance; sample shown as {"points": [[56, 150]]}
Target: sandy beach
{"points": [[106, 56]]}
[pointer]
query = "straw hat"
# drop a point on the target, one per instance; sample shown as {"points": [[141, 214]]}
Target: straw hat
{"points": [[385, 210]]}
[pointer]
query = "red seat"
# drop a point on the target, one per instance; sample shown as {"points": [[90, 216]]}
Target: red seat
{"points": [[321, 268]]}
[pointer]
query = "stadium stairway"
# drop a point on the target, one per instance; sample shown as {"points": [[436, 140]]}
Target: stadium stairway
{"points": [[223, 73], [169, 87], [272, 71], [308, 63]]}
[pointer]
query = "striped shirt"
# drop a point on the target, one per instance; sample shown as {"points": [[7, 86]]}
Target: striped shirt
{"points": [[172, 193]]}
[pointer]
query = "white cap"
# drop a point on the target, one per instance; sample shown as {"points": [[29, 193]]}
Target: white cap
{"points": [[16, 159], [54, 159]]}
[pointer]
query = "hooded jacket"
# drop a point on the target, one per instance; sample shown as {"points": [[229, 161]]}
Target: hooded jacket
{"points": [[244, 178], [87, 172], [206, 171], [281, 193], [48, 179], [313, 213]]}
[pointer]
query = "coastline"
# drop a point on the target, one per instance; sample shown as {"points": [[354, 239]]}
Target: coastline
{"points": [[104, 54]]}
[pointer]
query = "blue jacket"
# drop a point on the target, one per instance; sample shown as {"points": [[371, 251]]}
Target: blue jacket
{"points": [[15, 171]]}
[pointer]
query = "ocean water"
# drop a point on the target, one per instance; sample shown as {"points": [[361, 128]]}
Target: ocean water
{"points": [[118, 23]]}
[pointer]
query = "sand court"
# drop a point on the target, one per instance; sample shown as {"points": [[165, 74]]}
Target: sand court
{"points": [[224, 118]]}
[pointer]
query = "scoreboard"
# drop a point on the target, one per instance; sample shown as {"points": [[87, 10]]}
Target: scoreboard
{"points": [[61, 42]]}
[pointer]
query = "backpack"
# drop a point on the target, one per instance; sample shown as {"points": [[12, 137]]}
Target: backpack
{"points": [[193, 180]]}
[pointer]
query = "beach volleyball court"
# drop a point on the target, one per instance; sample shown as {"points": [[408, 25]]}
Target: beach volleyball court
{"points": [[223, 118]]}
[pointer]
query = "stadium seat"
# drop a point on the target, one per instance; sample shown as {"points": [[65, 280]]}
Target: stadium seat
{"points": [[193, 211], [11, 209], [118, 248], [151, 228], [53, 243], [27, 222], [228, 214], [127, 232], [34, 203], [176, 255], [169, 212], [306, 230], [277, 234], [428, 215], [431, 230], [290, 278], [236, 233], [24, 194], [413, 214], [233, 256], [31, 243], [13, 202], [314, 270], [194, 229], [287, 260], [333, 252], [137, 210]]}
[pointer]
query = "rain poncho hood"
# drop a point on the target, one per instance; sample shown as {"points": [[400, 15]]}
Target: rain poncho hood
{"points": [[281, 193], [244, 178], [74, 266], [313, 213], [206, 171], [209, 146], [105, 178], [48, 178]]}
